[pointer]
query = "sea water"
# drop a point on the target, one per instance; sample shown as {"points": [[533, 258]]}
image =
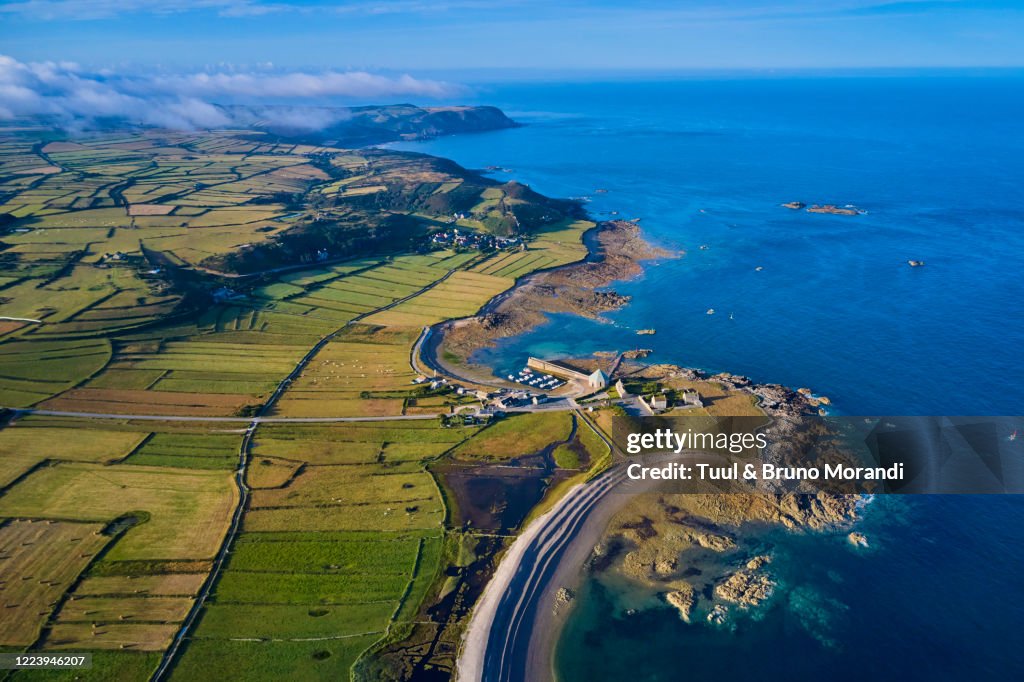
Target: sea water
{"points": [[828, 302], [937, 163]]}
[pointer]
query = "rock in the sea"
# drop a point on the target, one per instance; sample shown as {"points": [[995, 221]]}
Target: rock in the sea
{"points": [[833, 209], [665, 565], [563, 597], [718, 615], [718, 543], [747, 587], [683, 600], [758, 561], [794, 205], [858, 539]]}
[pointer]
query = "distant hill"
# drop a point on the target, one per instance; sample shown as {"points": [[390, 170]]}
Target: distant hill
{"points": [[331, 126], [362, 126]]}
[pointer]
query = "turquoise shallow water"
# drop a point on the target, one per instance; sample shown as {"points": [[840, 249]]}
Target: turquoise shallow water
{"points": [[937, 163], [936, 597]]}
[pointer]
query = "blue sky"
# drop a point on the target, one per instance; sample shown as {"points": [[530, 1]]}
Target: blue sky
{"points": [[434, 38]]}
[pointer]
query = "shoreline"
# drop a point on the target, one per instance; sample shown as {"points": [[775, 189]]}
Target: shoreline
{"points": [[615, 251], [548, 556]]}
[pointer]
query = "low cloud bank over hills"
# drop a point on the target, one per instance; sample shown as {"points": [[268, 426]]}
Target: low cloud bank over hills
{"points": [[75, 99]]}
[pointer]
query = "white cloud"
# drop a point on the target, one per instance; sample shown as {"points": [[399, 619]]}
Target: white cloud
{"points": [[299, 85], [77, 98]]}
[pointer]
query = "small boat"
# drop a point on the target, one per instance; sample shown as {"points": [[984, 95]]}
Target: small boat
{"points": [[643, 332], [759, 268], [1013, 436], [711, 311], [704, 247], [731, 317], [915, 263]]}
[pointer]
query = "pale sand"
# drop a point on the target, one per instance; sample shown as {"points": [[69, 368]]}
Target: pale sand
{"points": [[551, 552]]}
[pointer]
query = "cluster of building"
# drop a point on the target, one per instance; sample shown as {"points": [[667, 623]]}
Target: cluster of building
{"points": [[492, 401], [468, 239], [438, 383], [507, 400], [663, 400]]}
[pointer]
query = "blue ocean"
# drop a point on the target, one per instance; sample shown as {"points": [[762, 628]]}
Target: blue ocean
{"points": [[936, 164]]}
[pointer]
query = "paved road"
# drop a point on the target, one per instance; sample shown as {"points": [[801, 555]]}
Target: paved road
{"points": [[234, 420], [432, 366]]}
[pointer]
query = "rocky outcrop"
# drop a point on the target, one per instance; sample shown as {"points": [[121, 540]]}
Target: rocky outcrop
{"points": [[748, 587], [683, 599], [718, 615], [563, 598], [712, 541], [858, 539], [833, 209]]}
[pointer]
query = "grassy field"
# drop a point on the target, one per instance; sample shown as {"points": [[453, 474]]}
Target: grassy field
{"points": [[38, 562], [517, 436], [120, 258], [344, 552], [89, 486], [187, 516]]}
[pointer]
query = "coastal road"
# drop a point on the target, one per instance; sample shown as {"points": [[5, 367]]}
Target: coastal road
{"points": [[19, 411], [431, 365]]}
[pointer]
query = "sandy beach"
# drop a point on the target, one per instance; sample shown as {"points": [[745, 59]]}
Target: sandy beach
{"points": [[514, 629]]}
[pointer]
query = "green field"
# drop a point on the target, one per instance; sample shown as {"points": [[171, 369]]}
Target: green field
{"points": [[517, 436], [188, 274]]}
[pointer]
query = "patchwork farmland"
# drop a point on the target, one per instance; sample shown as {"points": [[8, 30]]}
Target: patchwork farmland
{"points": [[159, 292]]}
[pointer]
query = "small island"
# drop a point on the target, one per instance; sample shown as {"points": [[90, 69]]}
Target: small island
{"points": [[834, 210]]}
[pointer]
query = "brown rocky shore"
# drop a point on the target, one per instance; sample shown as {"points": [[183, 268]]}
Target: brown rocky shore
{"points": [[617, 249]]}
